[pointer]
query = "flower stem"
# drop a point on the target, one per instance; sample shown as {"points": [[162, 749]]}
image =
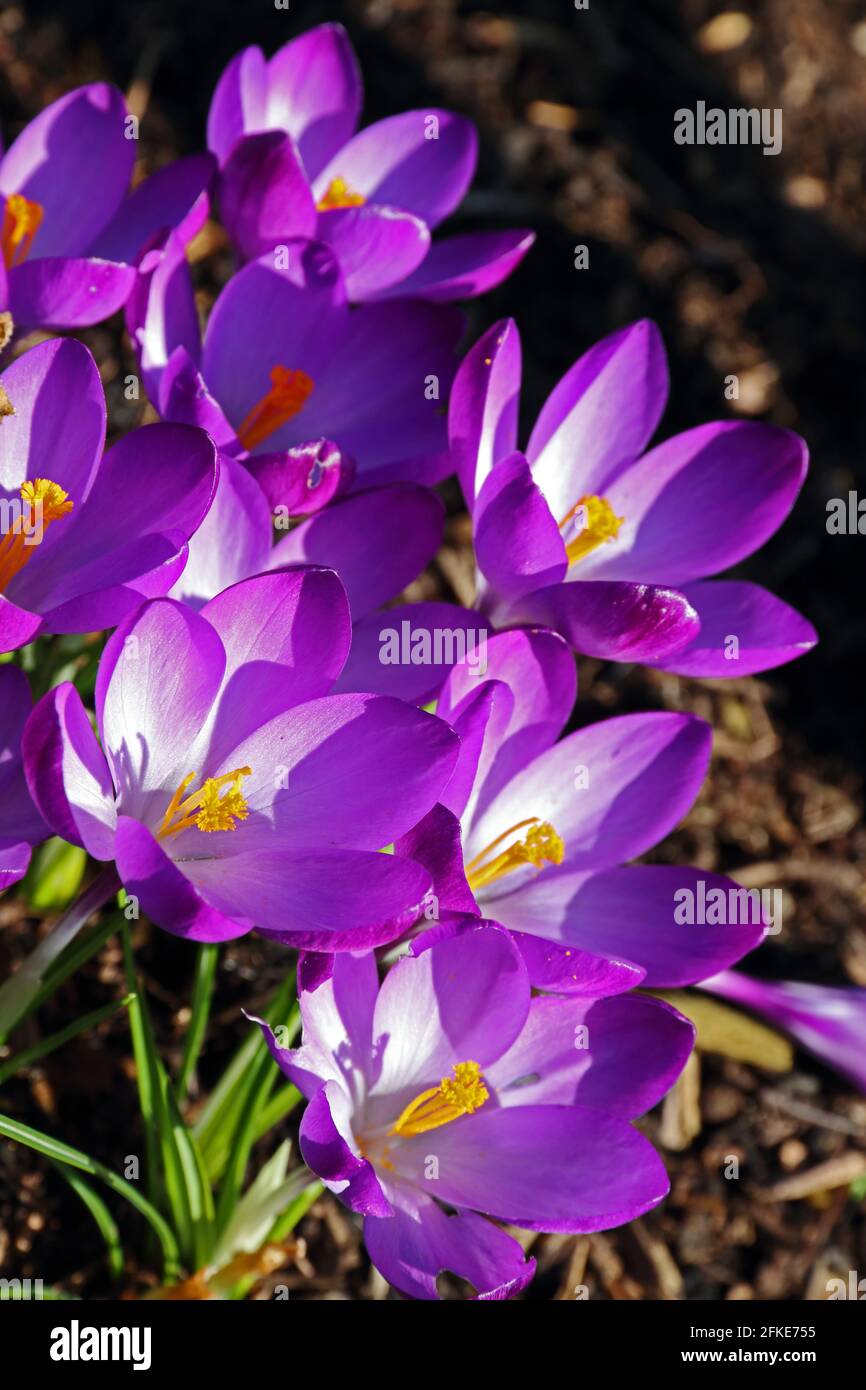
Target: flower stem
{"points": [[17, 992], [205, 973]]}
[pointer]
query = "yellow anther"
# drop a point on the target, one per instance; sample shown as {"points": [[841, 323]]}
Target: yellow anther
{"points": [[21, 221], [540, 845], [459, 1095], [209, 808], [338, 194], [43, 502], [596, 523], [288, 394]]}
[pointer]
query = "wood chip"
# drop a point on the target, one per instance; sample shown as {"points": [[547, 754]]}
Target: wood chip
{"points": [[836, 1172]]}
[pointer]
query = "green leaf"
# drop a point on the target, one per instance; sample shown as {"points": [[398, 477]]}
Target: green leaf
{"points": [[101, 1215], [64, 1153], [55, 1040], [264, 1200], [205, 974], [55, 875]]}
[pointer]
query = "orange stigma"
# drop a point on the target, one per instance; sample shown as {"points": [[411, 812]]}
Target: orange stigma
{"points": [[540, 845], [592, 521], [207, 809], [43, 503], [338, 194], [21, 221], [290, 390]]}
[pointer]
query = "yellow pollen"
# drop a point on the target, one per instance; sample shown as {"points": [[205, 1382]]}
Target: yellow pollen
{"points": [[21, 220], [600, 524], [44, 502], [289, 392], [540, 845], [459, 1095], [209, 808], [338, 194]]}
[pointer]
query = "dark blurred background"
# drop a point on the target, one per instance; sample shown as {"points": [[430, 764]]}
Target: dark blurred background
{"points": [[751, 265]]}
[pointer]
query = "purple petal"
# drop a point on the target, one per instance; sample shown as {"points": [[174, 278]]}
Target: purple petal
{"points": [[58, 428], [316, 899], [518, 544], [377, 246], [700, 503], [614, 621], [481, 724], [744, 629], [419, 1241], [543, 1167], [378, 541], [600, 416], [161, 318], [463, 267], [239, 510], [304, 479], [483, 407], [347, 771], [541, 672], [421, 161], [611, 791], [325, 1149], [435, 844], [74, 159], [239, 102], [264, 196], [20, 821], [466, 998], [163, 202], [286, 635], [67, 773], [17, 626], [14, 863], [157, 681], [560, 969], [67, 293], [164, 893], [392, 655], [829, 1022], [183, 396], [636, 914], [314, 91], [620, 1055]]}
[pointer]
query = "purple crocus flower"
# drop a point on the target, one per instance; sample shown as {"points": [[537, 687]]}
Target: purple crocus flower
{"points": [[449, 1086], [286, 362], [69, 232], [21, 826], [829, 1022], [610, 545], [85, 536], [231, 790], [293, 166], [533, 832]]}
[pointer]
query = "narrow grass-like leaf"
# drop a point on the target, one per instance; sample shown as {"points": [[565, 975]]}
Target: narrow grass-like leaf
{"points": [[29, 1055], [205, 973], [101, 1215]]}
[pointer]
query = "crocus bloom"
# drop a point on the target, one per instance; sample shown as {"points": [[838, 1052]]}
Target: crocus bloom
{"points": [[85, 536], [449, 1086], [534, 833], [293, 166], [69, 231], [610, 545], [285, 361], [829, 1022], [231, 790], [21, 826]]}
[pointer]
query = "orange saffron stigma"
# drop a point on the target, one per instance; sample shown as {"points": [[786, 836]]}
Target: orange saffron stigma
{"points": [[21, 221], [338, 194], [289, 392], [44, 502], [459, 1095], [540, 845], [207, 809]]}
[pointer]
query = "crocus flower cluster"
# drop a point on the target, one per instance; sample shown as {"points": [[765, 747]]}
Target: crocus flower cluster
{"points": [[459, 879]]}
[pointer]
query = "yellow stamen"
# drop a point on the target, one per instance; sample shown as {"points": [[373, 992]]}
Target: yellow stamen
{"points": [[288, 394], [540, 845], [206, 809], [338, 194], [459, 1095], [44, 502], [600, 524], [21, 221]]}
